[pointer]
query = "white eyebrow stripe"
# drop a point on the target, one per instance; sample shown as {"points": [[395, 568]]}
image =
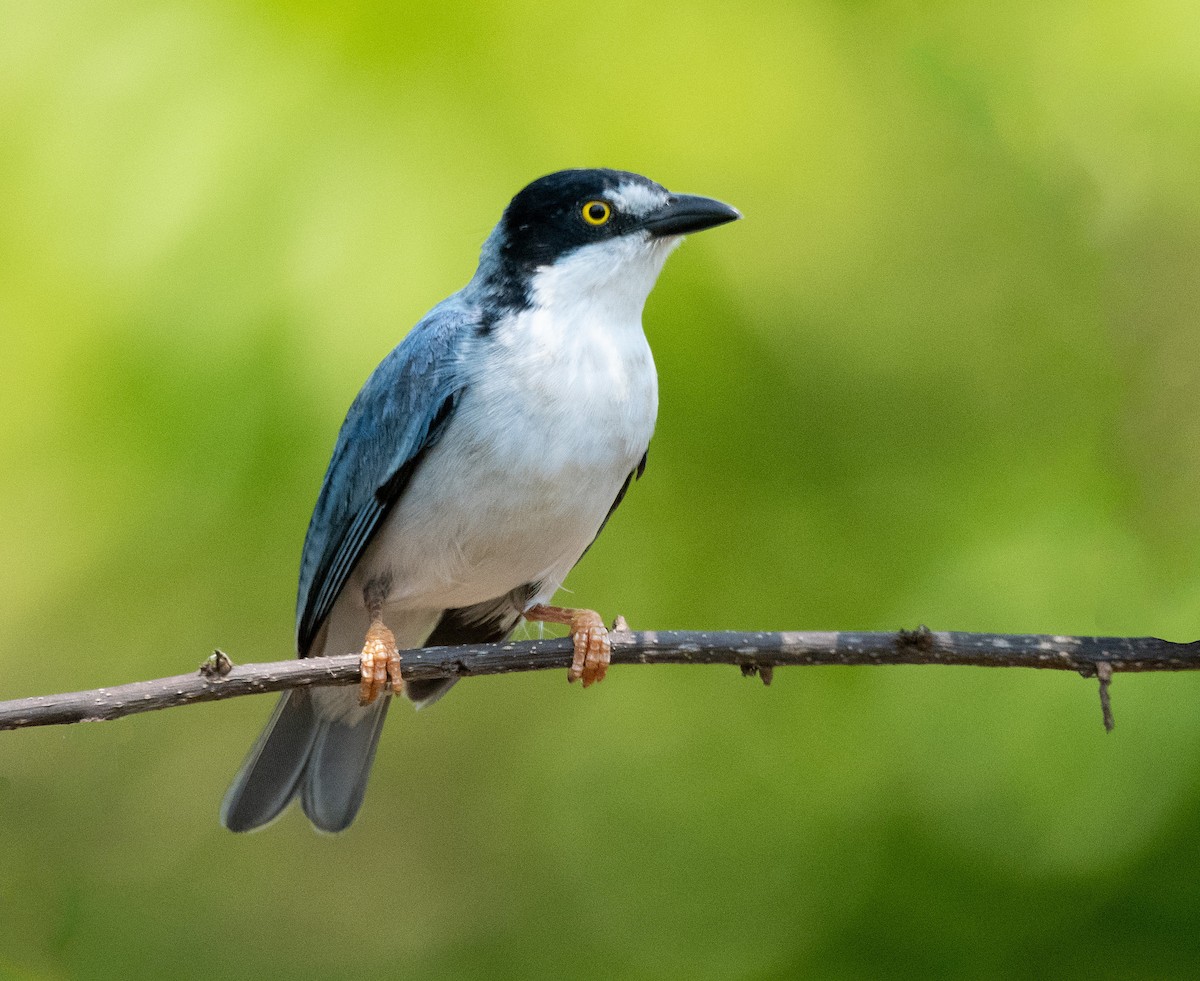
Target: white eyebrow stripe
{"points": [[638, 199]]}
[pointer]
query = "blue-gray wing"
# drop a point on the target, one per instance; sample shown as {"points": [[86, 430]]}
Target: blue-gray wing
{"points": [[398, 416]]}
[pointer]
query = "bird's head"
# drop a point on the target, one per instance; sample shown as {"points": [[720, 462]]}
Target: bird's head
{"points": [[592, 231]]}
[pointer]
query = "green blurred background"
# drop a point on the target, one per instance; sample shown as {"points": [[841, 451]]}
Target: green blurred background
{"points": [[945, 372]]}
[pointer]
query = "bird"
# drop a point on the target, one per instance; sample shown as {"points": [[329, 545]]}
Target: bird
{"points": [[477, 464]]}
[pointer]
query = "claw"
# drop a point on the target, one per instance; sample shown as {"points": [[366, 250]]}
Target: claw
{"points": [[593, 649], [380, 661]]}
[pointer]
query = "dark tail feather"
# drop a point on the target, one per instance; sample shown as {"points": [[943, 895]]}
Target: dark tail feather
{"points": [[268, 778], [326, 762], [425, 693], [339, 764]]}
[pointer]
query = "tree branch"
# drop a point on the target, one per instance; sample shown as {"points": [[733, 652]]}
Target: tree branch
{"points": [[754, 653]]}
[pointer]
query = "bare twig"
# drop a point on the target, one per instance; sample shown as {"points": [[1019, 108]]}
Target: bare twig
{"points": [[755, 653]]}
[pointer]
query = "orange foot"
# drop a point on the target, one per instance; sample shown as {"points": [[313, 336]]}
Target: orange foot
{"points": [[380, 660], [592, 648]]}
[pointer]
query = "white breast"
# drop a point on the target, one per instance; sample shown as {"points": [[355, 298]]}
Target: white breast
{"points": [[558, 412]]}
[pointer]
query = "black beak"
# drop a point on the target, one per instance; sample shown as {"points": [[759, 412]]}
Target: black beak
{"points": [[685, 213]]}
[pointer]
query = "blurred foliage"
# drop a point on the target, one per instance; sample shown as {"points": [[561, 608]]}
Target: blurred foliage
{"points": [[944, 372]]}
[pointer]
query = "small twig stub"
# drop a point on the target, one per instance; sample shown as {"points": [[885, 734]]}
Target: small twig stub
{"points": [[216, 665], [1104, 673]]}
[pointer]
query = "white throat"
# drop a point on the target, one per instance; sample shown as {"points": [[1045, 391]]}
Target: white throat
{"points": [[607, 282]]}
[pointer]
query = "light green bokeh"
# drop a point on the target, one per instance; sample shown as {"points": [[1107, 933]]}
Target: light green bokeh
{"points": [[945, 372]]}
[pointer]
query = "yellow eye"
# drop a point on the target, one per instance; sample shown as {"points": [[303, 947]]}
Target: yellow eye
{"points": [[596, 212]]}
